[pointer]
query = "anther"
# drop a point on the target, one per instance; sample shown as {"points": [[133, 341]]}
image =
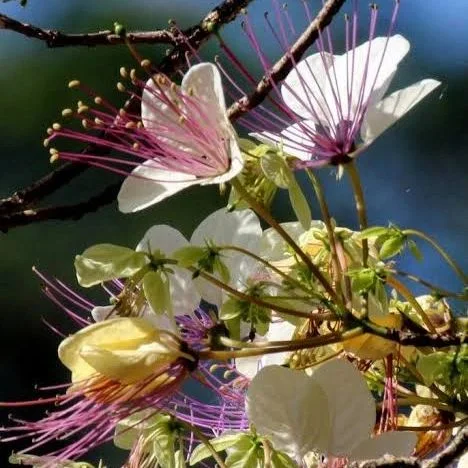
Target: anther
{"points": [[122, 112], [145, 63], [98, 100], [136, 146], [46, 142], [56, 126], [50, 131], [120, 87], [82, 109], [85, 123], [130, 125], [67, 112], [133, 75], [98, 121], [74, 84], [123, 72]]}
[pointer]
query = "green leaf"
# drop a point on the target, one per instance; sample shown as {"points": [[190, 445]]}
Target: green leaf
{"points": [[363, 280], [157, 293], [219, 444], [299, 203], [281, 460], [373, 231], [103, 262], [244, 459], [435, 367], [233, 326], [223, 271], [276, 169], [189, 256], [230, 309], [392, 247], [414, 249]]}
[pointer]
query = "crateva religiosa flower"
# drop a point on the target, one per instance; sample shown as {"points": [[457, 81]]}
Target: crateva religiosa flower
{"points": [[182, 138]]}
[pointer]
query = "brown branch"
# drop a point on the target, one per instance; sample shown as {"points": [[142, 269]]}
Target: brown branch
{"points": [[282, 67], [65, 212], [195, 37], [443, 459], [434, 341], [55, 38]]}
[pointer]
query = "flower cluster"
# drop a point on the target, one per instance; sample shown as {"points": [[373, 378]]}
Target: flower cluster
{"points": [[295, 344]]}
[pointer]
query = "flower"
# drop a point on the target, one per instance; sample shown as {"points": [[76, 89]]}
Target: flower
{"points": [[184, 137], [335, 103], [331, 412]]}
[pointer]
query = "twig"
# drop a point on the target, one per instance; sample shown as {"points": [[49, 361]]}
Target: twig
{"points": [[77, 211], [285, 64], [54, 38], [194, 38]]}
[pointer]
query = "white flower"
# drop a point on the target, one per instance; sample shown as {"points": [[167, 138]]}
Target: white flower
{"points": [[221, 228], [278, 331], [331, 412], [186, 139], [334, 98]]}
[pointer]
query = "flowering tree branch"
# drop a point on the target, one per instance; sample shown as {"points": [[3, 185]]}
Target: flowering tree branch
{"points": [[286, 63], [54, 38], [21, 201], [451, 452]]}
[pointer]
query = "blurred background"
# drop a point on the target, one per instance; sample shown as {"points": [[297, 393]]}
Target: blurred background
{"points": [[414, 175]]}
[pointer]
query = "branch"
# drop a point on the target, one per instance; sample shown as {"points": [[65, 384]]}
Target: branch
{"points": [[195, 37], [282, 67], [55, 38], [62, 213], [434, 341], [451, 452]]}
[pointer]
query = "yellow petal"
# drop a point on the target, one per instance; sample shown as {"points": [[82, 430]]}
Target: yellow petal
{"points": [[369, 346], [113, 334]]}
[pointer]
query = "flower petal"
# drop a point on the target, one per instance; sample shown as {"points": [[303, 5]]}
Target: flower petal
{"points": [[397, 444], [385, 113], [278, 331], [236, 159], [147, 186], [350, 403], [295, 140], [303, 88], [290, 408], [204, 82], [363, 74], [162, 237]]}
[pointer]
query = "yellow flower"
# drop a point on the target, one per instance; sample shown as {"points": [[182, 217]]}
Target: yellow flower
{"points": [[127, 350]]}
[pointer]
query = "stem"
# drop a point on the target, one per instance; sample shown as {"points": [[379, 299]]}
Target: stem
{"points": [[292, 345], [320, 194], [360, 206], [416, 400], [267, 217], [406, 293], [258, 301], [205, 441], [288, 278], [456, 268], [441, 291]]}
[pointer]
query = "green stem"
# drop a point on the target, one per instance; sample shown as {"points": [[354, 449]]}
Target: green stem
{"points": [[320, 194], [407, 294], [260, 302], [288, 278], [456, 268], [360, 206], [205, 442], [292, 345], [267, 217]]}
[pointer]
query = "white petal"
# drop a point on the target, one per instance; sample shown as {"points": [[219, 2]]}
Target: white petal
{"points": [[398, 444], [303, 88], [351, 405], [278, 331], [295, 140], [385, 113], [163, 238], [463, 461], [363, 74], [184, 295], [204, 81], [100, 313], [237, 163], [147, 186], [290, 408], [239, 228], [249, 366]]}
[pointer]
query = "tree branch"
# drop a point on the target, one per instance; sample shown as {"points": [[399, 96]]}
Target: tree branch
{"points": [[194, 38], [55, 38], [443, 459], [25, 217], [285, 64], [434, 341]]}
